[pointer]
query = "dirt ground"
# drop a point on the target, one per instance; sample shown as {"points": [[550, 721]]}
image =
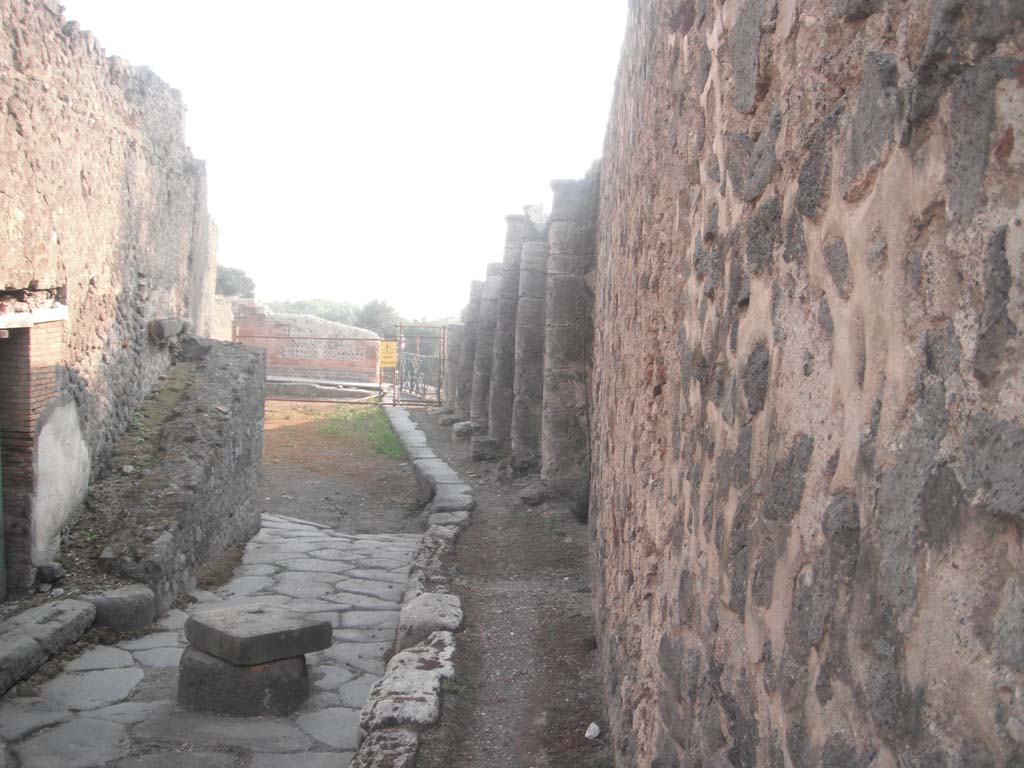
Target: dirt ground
{"points": [[527, 682], [332, 477]]}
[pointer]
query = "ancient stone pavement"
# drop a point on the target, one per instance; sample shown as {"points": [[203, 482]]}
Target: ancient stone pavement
{"points": [[115, 706]]}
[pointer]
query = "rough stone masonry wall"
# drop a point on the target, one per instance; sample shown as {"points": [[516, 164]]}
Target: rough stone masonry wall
{"points": [[199, 496], [808, 460], [102, 200]]}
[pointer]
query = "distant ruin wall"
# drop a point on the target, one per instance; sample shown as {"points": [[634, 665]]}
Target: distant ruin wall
{"points": [[303, 347], [808, 441]]}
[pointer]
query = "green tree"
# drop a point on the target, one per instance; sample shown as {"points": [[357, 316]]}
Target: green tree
{"points": [[335, 311], [234, 282], [378, 316]]}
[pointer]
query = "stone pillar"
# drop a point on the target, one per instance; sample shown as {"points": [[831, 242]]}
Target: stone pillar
{"points": [[484, 354], [519, 231], [464, 389], [529, 378], [568, 332], [452, 355]]}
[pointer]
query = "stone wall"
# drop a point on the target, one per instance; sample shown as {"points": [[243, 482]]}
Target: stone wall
{"points": [[807, 489], [193, 493], [301, 346], [104, 210]]}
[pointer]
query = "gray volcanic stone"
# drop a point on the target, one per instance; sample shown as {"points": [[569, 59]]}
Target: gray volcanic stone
{"points": [[82, 743], [22, 716], [462, 429], [92, 690], [103, 657], [457, 519], [255, 634], [179, 760], [336, 726], [483, 448], [452, 498], [55, 625], [427, 613], [125, 609], [307, 760], [20, 656], [209, 684], [388, 748], [203, 729]]}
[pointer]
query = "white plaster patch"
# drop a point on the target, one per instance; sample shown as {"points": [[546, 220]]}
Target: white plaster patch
{"points": [[62, 478]]}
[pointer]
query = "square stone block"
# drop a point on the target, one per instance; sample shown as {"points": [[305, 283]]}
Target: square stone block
{"points": [[209, 684], [255, 634]]}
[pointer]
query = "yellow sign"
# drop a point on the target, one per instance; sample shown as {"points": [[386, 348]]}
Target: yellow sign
{"points": [[388, 354]]}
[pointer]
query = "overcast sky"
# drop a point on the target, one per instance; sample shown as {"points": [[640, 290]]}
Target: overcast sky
{"points": [[361, 150]]}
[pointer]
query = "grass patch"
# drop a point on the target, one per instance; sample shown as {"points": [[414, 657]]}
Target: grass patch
{"points": [[363, 423]]}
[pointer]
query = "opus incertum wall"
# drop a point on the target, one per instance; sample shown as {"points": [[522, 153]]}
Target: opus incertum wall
{"points": [[806, 418]]}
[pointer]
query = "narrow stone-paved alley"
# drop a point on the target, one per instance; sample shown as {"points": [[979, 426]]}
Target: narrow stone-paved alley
{"points": [[119, 701]]}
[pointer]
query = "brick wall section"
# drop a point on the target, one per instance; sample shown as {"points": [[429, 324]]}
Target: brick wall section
{"points": [[807, 422], [29, 360], [351, 359]]}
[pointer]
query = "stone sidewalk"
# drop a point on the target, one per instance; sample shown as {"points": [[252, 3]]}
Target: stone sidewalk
{"points": [[115, 706]]}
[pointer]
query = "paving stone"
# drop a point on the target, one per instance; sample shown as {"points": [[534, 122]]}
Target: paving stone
{"points": [[355, 692], [81, 743], [155, 640], [364, 603], [389, 748], [333, 618], [256, 635], [20, 716], [337, 727], [428, 613], [20, 656], [202, 596], [125, 609], [372, 575], [369, 619], [180, 760], [174, 620], [92, 690], [246, 585], [209, 684], [309, 590], [263, 569], [132, 712], [331, 678], [369, 588], [102, 657], [202, 730], [339, 555], [319, 566], [369, 657], [159, 657], [308, 760], [321, 700], [364, 635], [314, 606]]}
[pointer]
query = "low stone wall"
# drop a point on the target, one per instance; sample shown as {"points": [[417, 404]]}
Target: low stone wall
{"points": [[197, 498]]}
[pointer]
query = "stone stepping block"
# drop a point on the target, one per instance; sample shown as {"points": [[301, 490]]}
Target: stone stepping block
{"points": [[209, 684], [428, 613], [248, 635], [125, 609]]}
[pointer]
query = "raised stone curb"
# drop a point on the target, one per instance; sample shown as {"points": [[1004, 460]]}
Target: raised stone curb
{"points": [[125, 609], [28, 639], [408, 697]]}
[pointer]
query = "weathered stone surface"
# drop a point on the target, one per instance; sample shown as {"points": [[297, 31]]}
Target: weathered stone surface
{"points": [[126, 609], [21, 716], [20, 656], [209, 684], [82, 743], [305, 760], [132, 712], [483, 448], [101, 657], [54, 625], [484, 350], [467, 352], [409, 692], [873, 130], [452, 498], [207, 730], [91, 690], [528, 386], [462, 429], [428, 613], [255, 635], [179, 760], [338, 726], [456, 519], [388, 748]]}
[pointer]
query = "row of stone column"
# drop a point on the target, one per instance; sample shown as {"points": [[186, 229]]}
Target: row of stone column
{"points": [[523, 351]]}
